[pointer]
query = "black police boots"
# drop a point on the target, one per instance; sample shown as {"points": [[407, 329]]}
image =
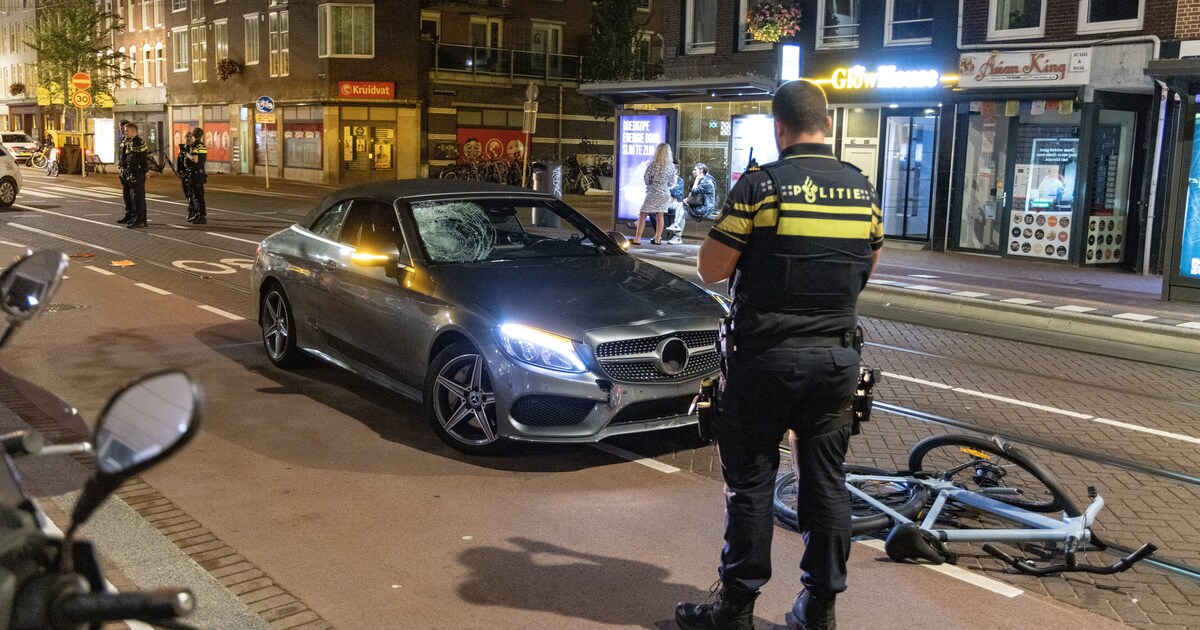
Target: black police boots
{"points": [[813, 612], [733, 610]]}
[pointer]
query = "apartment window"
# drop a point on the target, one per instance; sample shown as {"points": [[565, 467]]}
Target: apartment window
{"points": [[643, 6], [431, 25], [197, 13], [158, 12], [131, 13], [146, 13], [1016, 18], [123, 82], [909, 22], [748, 42], [346, 30], [487, 32], [133, 75], [1098, 16], [199, 54], [221, 39], [121, 13], [179, 5], [147, 65], [277, 26], [159, 64], [252, 43], [179, 49], [701, 35], [839, 27]]}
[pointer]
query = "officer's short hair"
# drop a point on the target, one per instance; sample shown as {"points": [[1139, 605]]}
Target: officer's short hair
{"points": [[132, 126], [800, 106], [702, 167], [197, 133], [124, 123]]}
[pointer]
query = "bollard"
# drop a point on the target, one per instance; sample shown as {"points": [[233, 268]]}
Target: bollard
{"points": [[547, 177]]}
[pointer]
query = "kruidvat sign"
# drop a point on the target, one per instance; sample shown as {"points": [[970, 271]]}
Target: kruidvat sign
{"points": [[366, 89], [1037, 67], [883, 78], [639, 137]]}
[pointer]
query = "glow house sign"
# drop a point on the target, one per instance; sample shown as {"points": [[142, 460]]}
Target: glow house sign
{"points": [[883, 78]]}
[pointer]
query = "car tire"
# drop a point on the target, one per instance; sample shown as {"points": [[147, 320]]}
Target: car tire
{"points": [[278, 324], [460, 402], [8, 192]]}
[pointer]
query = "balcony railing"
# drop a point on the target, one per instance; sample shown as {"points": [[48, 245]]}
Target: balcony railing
{"points": [[506, 62], [839, 36], [478, 3]]}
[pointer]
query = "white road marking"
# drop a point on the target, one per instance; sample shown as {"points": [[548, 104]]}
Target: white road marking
{"points": [[635, 458], [103, 272], [910, 379], [1071, 308], [884, 282], [1134, 427], [921, 287], [1021, 301], [1137, 317], [233, 238], [152, 288], [1022, 403], [969, 294], [80, 191], [921, 275], [213, 309], [38, 193], [12, 243], [959, 573], [1190, 325]]}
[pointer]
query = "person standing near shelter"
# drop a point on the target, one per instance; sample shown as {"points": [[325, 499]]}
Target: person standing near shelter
{"points": [[126, 194], [798, 237], [660, 179], [134, 166], [197, 156]]}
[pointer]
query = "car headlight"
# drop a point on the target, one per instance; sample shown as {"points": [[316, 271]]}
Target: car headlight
{"points": [[540, 348], [725, 302]]}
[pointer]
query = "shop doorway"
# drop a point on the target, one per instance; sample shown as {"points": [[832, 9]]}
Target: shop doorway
{"points": [[368, 152], [906, 190]]}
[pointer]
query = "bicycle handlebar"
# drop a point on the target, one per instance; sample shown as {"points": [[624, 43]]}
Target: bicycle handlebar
{"points": [[1123, 564], [146, 606]]}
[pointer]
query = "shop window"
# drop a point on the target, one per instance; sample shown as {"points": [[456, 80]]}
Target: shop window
{"points": [[909, 22], [179, 49], [747, 42], [431, 25], [251, 37], [1108, 190], [346, 30], [839, 29], [981, 213], [1101, 16], [1016, 18], [701, 36], [302, 144]]}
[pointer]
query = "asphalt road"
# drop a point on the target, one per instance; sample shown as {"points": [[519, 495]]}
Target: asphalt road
{"points": [[337, 491]]}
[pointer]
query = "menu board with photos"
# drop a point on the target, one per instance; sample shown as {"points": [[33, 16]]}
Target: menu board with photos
{"points": [[1105, 240], [1040, 235]]}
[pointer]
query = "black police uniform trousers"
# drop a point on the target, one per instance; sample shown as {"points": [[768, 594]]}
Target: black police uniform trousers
{"points": [[195, 195], [127, 195], [764, 394], [137, 194]]}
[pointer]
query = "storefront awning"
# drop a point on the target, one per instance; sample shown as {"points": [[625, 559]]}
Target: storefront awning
{"points": [[677, 90], [1179, 71]]}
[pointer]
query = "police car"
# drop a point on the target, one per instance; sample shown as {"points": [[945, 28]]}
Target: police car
{"points": [[19, 144]]}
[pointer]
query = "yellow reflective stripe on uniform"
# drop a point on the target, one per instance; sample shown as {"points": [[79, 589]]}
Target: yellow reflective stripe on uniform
{"points": [[735, 226], [766, 217], [746, 207], [199, 150], [823, 228], [812, 207], [876, 223]]}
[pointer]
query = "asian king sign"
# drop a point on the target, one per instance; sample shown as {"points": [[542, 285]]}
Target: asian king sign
{"points": [[1072, 66]]}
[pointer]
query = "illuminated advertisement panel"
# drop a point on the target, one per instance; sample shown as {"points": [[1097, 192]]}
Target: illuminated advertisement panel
{"points": [[752, 137], [639, 136], [1189, 250]]}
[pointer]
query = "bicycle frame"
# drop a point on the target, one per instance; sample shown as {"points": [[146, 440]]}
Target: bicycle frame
{"points": [[1071, 530]]}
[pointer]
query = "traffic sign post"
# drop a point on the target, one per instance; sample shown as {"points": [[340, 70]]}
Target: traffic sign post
{"points": [[265, 108], [82, 100], [81, 81]]}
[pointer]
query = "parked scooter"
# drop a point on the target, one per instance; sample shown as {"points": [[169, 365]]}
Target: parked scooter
{"points": [[56, 582]]}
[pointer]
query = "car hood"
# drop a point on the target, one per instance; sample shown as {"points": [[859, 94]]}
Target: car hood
{"points": [[570, 296]]}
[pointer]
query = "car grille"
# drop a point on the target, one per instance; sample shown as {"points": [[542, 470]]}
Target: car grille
{"points": [[551, 411], [652, 409], [633, 360]]}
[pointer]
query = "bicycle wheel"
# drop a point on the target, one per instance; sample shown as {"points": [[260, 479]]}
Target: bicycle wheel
{"points": [[52, 169], [995, 469], [905, 498], [38, 160]]}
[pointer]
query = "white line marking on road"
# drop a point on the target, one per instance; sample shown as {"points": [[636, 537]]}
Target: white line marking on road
{"points": [[1022, 403], [921, 275], [921, 287], [635, 458], [1021, 301], [959, 573], [1071, 308], [152, 288], [901, 377], [1137, 317], [177, 227], [80, 191], [213, 309], [38, 193], [1189, 325], [969, 294], [232, 238], [883, 282], [1134, 427], [103, 272], [12, 243]]}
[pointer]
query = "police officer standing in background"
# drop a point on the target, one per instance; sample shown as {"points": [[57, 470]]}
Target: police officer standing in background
{"points": [[799, 237], [134, 167], [194, 180], [122, 148]]}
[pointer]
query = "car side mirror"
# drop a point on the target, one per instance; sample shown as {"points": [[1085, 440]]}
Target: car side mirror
{"points": [[621, 239], [140, 426], [385, 256], [27, 286]]}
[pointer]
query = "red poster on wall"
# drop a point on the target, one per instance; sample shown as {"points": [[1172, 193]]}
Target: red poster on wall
{"points": [[179, 135], [216, 138], [477, 143]]}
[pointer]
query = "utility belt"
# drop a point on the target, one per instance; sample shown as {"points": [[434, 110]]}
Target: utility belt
{"points": [[728, 342]]}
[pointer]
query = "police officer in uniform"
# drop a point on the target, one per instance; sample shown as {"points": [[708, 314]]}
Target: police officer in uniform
{"points": [[134, 166], [798, 238], [122, 148], [196, 156]]}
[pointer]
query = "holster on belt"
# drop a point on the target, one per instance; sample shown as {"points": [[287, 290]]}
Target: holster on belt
{"points": [[861, 402], [704, 405]]}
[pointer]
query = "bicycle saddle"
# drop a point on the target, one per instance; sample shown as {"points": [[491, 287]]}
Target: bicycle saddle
{"points": [[909, 542]]}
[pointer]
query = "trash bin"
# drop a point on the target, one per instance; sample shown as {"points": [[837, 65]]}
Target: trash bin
{"points": [[70, 159], [547, 177]]}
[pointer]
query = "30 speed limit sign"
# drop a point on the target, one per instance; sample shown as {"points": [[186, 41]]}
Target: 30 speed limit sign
{"points": [[81, 100]]}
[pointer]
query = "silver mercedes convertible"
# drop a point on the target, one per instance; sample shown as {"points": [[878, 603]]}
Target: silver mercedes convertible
{"points": [[509, 314]]}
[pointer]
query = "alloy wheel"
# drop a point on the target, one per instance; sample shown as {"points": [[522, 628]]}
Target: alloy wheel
{"points": [[8, 193], [464, 401], [275, 330]]}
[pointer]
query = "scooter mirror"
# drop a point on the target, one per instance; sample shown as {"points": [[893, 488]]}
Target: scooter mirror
{"points": [[145, 422], [142, 425], [28, 284]]}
